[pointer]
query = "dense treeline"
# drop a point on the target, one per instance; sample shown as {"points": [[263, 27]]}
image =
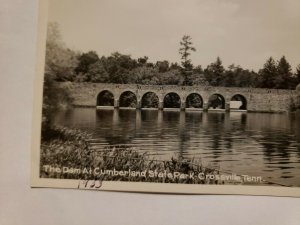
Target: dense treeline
{"points": [[63, 64]]}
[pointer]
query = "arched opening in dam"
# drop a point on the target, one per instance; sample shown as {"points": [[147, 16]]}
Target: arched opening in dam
{"points": [[238, 102], [172, 100], [105, 98], [128, 99], [216, 101], [150, 100], [194, 100]]}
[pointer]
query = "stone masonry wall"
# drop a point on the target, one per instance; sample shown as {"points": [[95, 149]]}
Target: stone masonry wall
{"points": [[262, 100]]}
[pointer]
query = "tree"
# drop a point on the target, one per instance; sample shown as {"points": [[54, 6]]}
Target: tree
{"points": [[172, 77], [175, 66], [143, 60], [197, 77], [185, 51], [297, 86], [163, 66], [214, 73], [85, 60], [236, 76], [54, 98], [60, 61], [59, 66], [119, 67], [198, 69], [297, 75], [246, 78], [97, 73], [144, 75], [230, 76], [284, 74], [268, 74]]}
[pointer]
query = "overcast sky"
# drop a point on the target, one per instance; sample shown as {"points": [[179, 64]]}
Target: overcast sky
{"points": [[243, 32]]}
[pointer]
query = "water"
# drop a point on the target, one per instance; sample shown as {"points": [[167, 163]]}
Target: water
{"points": [[256, 144]]}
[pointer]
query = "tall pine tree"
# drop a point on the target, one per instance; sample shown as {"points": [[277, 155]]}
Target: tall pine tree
{"points": [[268, 74], [284, 75], [214, 73], [185, 52]]}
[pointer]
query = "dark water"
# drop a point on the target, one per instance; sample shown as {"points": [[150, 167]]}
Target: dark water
{"points": [[257, 144]]}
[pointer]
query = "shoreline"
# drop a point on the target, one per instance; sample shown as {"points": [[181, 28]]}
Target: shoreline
{"points": [[70, 156]]}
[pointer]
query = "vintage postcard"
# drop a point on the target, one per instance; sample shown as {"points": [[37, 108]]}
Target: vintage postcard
{"points": [[194, 97]]}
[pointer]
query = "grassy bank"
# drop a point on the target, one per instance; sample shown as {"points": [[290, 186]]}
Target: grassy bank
{"points": [[76, 157]]}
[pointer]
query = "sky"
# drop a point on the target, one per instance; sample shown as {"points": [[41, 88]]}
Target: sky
{"points": [[240, 32]]}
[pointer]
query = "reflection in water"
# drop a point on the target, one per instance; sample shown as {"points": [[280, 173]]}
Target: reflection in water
{"points": [[255, 144]]}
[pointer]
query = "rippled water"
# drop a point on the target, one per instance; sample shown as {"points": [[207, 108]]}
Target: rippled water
{"points": [[257, 144]]}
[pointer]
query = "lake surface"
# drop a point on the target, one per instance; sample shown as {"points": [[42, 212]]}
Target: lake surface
{"points": [[256, 144]]}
